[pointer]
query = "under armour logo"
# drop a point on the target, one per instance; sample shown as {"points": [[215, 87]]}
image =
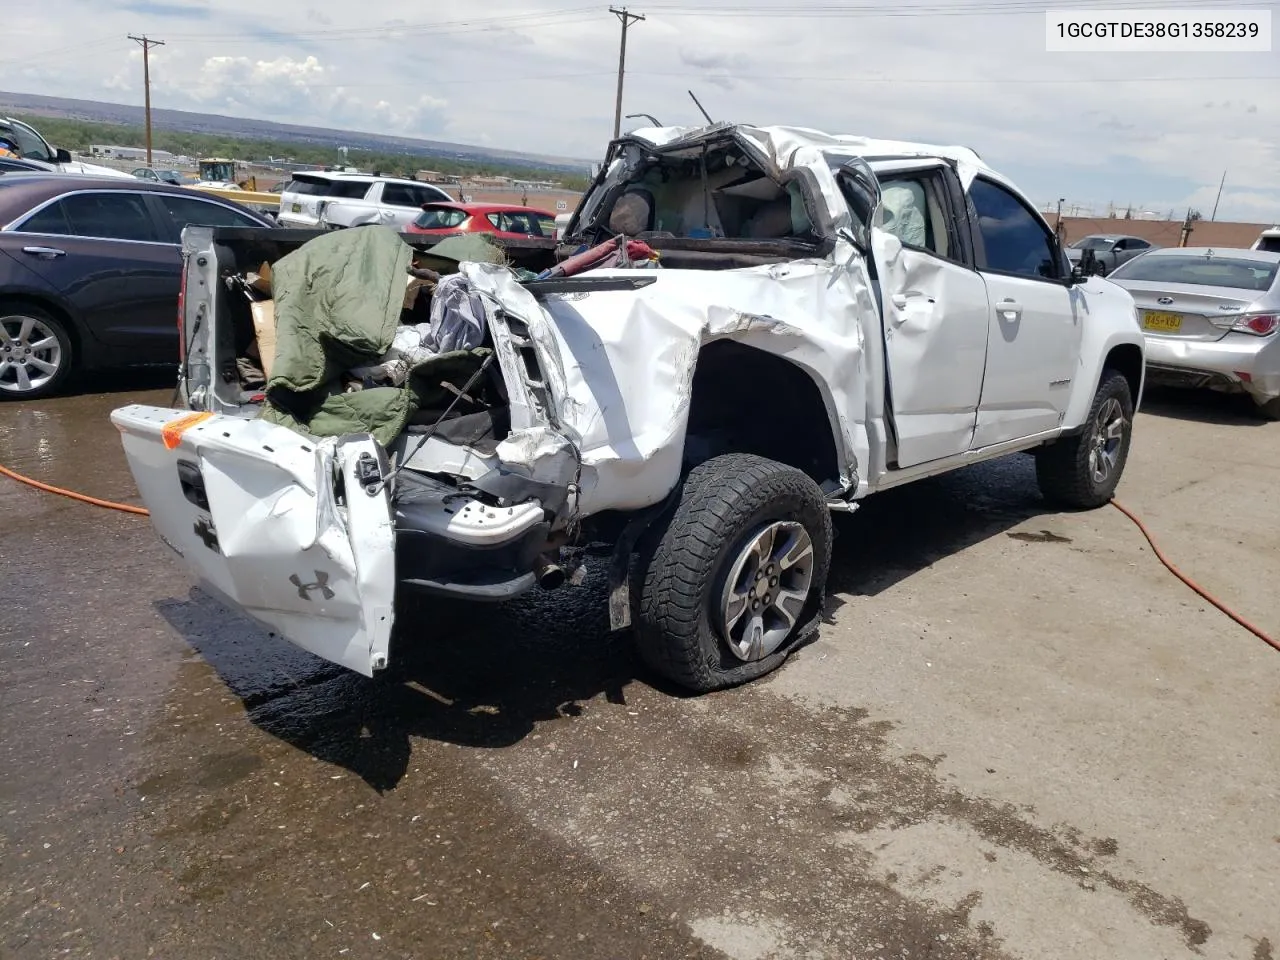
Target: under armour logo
{"points": [[321, 583]]}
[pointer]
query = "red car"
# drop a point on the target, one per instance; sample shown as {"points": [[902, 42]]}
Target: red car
{"points": [[499, 219]]}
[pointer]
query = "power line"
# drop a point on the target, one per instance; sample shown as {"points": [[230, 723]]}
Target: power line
{"points": [[943, 80], [931, 8], [28, 57], [526, 21], [470, 81], [146, 45]]}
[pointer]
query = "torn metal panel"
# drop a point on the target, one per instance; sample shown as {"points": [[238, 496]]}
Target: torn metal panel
{"points": [[620, 364]]}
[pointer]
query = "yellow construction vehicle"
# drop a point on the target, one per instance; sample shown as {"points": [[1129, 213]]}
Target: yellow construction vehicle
{"points": [[221, 172]]}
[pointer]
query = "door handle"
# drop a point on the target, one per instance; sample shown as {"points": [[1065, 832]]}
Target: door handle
{"points": [[1009, 306], [899, 300], [44, 253]]}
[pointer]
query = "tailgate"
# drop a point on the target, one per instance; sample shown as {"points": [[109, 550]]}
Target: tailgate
{"points": [[275, 524]]}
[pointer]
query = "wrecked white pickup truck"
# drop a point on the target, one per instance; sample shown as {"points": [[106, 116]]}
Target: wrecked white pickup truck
{"points": [[827, 317]]}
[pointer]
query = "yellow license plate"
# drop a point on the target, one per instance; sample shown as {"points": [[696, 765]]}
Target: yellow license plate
{"points": [[1161, 322], [295, 207]]}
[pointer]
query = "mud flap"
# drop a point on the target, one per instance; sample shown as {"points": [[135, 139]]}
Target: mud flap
{"points": [[297, 533]]}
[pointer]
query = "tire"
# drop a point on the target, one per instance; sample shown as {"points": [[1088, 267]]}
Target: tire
{"points": [[727, 505], [1082, 471], [1270, 410], [35, 352]]}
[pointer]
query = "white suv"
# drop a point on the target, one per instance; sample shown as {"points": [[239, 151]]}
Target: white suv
{"points": [[335, 200]]}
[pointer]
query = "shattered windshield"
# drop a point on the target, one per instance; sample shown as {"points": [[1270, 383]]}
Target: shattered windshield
{"points": [[711, 191]]}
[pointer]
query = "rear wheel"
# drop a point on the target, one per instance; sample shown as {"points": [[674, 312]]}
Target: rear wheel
{"points": [[35, 352], [1083, 470], [732, 580]]}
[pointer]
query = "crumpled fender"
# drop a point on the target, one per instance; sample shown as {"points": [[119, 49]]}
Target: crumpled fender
{"points": [[618, 365]]}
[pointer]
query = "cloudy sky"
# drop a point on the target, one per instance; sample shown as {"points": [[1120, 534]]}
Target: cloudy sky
{"points": [[1151, 130]]}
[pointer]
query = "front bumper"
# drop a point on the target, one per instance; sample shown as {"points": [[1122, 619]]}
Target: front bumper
{"points": [[1237, 362]]}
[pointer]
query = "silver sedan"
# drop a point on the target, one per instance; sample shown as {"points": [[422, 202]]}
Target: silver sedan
{"points": [[1210, 317]]}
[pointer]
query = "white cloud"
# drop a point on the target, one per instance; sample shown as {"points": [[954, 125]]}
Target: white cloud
{"points": [[526, 75]]}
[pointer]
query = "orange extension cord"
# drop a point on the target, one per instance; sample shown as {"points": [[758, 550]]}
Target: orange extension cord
{"points": [[47, 488], [1256, 631]]}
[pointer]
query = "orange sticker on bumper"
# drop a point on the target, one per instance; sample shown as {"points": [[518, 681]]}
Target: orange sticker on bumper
{"points": [[171, 433]]}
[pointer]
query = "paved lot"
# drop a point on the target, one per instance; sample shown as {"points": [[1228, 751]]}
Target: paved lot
{"points": [[1018, 736]]}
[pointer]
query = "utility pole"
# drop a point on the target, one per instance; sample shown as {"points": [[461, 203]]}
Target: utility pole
{"points": [[1186, 229], [147, 44], [1214, 216], [625, 19], [1057, 226]]}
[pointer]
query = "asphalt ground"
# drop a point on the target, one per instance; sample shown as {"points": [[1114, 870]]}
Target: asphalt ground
{"points": [[1017, 736]]}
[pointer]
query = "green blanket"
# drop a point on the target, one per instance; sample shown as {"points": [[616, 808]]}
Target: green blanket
{"points": [[381, 411], [338, 300]]}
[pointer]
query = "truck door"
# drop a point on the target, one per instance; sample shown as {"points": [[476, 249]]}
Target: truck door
{"points": [[935, 311], [1034, 346]]}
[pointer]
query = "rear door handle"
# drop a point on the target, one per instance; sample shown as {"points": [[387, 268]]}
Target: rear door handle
{"points": [[44, 253], [1009, 306], [899, 300]]}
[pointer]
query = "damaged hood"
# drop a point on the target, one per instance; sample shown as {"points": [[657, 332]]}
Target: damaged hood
{"points": [[618, 365]]}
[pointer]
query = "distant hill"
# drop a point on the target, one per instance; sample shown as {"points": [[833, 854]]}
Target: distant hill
{"points": [[207, 123]]}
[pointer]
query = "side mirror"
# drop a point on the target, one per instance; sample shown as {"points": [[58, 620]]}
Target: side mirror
{"points": [[1087, 266], [61, 156]]}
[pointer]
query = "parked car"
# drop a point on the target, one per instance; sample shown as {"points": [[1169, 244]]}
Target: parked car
{"points": [[705, 411], [175, 177], [89, 273], [1268, 240], [336, 200], [17, 165], [1210, 317], [1109, 250], [32, 146], [503, 220]]}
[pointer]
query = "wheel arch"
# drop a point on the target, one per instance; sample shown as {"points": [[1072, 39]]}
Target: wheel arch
{"points": [[1122, 352], [730, 411], [59, 312], [1127, 358]]}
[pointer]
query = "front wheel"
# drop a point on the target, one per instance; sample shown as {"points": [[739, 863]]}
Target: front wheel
{"points": [[731, 581], [35, 352], [1082, 471]]}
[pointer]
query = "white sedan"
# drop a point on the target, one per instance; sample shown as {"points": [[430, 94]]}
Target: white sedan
{"points": [[1210, 317]]}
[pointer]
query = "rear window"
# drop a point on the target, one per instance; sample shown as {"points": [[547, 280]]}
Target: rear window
{"points": [[1269, 244], [441, 218], [347, 189], [515, 221], [307, 188], [408, 194], [1200, 270]]}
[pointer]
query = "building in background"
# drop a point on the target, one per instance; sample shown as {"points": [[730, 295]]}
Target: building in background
{"points": [[158, 157]]}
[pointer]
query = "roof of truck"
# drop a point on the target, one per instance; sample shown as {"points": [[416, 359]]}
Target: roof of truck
{"points": [[782, 142]]}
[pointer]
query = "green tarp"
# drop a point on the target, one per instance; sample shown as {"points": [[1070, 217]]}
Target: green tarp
{"points": [[338, 300]]}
